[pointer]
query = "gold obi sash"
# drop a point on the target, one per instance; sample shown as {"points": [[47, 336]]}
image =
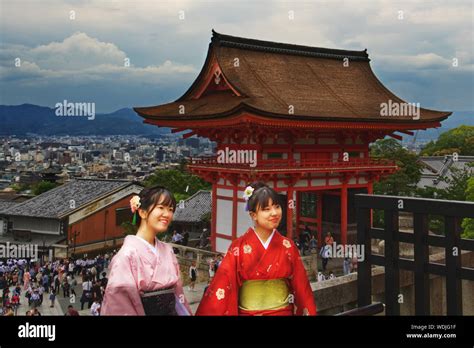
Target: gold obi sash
{"points": [[264, 294]]}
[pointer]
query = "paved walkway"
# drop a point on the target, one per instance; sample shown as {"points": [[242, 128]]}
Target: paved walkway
{"points": [[44, 308], [61, 303], [193, 297]]}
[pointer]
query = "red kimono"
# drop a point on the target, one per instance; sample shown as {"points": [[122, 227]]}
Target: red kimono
{"points": [[247, 259]]}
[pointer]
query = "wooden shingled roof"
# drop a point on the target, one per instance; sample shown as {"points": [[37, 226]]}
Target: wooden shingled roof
{"points": [[271, 77], [56, 203], [195, 208]]}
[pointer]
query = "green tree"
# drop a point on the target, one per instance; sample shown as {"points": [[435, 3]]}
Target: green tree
{"points": [[19, 187], [42, 187], [457, 184], [403, 182], [468, 224], [459, 140], [177, 180]]}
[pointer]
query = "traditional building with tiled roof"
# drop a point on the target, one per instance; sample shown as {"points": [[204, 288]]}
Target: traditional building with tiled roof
{"points": [[191, 214], [81, 215], [309, 113]]}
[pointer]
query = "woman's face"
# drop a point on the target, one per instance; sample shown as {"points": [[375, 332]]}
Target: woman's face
{"points": [[159, 218], [269, 217]]}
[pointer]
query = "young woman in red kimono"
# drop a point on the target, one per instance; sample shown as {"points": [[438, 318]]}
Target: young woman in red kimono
{"points": [[262, 272]]}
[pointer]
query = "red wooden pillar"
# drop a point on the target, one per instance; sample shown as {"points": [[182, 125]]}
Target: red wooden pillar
{"points": [[289, 215], [344, 214], [234, 209], [319, 216], [214, 217], [297, 208]]}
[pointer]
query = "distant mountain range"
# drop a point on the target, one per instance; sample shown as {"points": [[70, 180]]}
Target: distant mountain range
{"points": [[28, 118]]}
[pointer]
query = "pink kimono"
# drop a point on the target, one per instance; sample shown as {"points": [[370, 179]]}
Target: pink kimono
{"points": [[26, 279], [138, 267]]}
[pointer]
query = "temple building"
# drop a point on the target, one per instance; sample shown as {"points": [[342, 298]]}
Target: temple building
{"points": [[298, 118]]}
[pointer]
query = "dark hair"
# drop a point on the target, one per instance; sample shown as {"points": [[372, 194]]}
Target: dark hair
{"points": [[150, 197], [261, 196]]}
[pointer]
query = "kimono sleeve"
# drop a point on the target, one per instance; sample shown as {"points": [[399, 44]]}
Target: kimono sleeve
{"points": [[304, 298], [182, 305], [221, 297], [122, 296]]}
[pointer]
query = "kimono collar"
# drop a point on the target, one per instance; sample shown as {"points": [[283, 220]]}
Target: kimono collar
{"points": [[146, 250], [269, 239], [152, 248]]}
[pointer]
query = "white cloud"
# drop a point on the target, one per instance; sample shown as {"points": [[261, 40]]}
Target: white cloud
{"points": [[82, 58], [408, 63], [164, 50]]}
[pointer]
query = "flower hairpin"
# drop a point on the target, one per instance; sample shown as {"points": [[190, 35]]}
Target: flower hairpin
{"points": [[134, 205], [247, 194]]}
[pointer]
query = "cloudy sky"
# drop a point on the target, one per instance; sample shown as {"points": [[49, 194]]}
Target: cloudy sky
{"points": [[53, 50]]}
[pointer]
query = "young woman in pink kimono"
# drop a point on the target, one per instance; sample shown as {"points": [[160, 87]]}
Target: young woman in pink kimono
{"points": [[144, 276]]}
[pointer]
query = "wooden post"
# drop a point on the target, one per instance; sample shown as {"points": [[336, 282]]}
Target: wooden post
{"points": [[370, 191], [214, 217], [297, 212], [392, 274], [289, 215], [364, 269], [453, 266], [344, 214], [319, 216], [422, 279]]}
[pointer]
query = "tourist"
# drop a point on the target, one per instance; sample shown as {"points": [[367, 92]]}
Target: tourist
{"points": [[26, 280], [8, 312], [93, 271], [346, 266], [86, 293], [66, 288], [177, 237], [203, 238], [212, 269], [259, 261], [313, 243], [325, 251], [35, 298], [144, 257], [95, 308], [71, 312], [52, 297], [185, 238], [104, 280], [192, 276]]}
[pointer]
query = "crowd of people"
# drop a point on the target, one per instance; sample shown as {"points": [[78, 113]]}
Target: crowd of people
{"points": [[38, 281]]}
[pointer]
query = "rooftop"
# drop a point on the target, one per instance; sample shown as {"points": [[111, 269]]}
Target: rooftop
{"points": [[56, 203], [195, 207], [267, 78]]}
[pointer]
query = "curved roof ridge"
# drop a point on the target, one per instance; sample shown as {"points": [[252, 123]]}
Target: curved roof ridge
{"points": [[286, 48]]}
